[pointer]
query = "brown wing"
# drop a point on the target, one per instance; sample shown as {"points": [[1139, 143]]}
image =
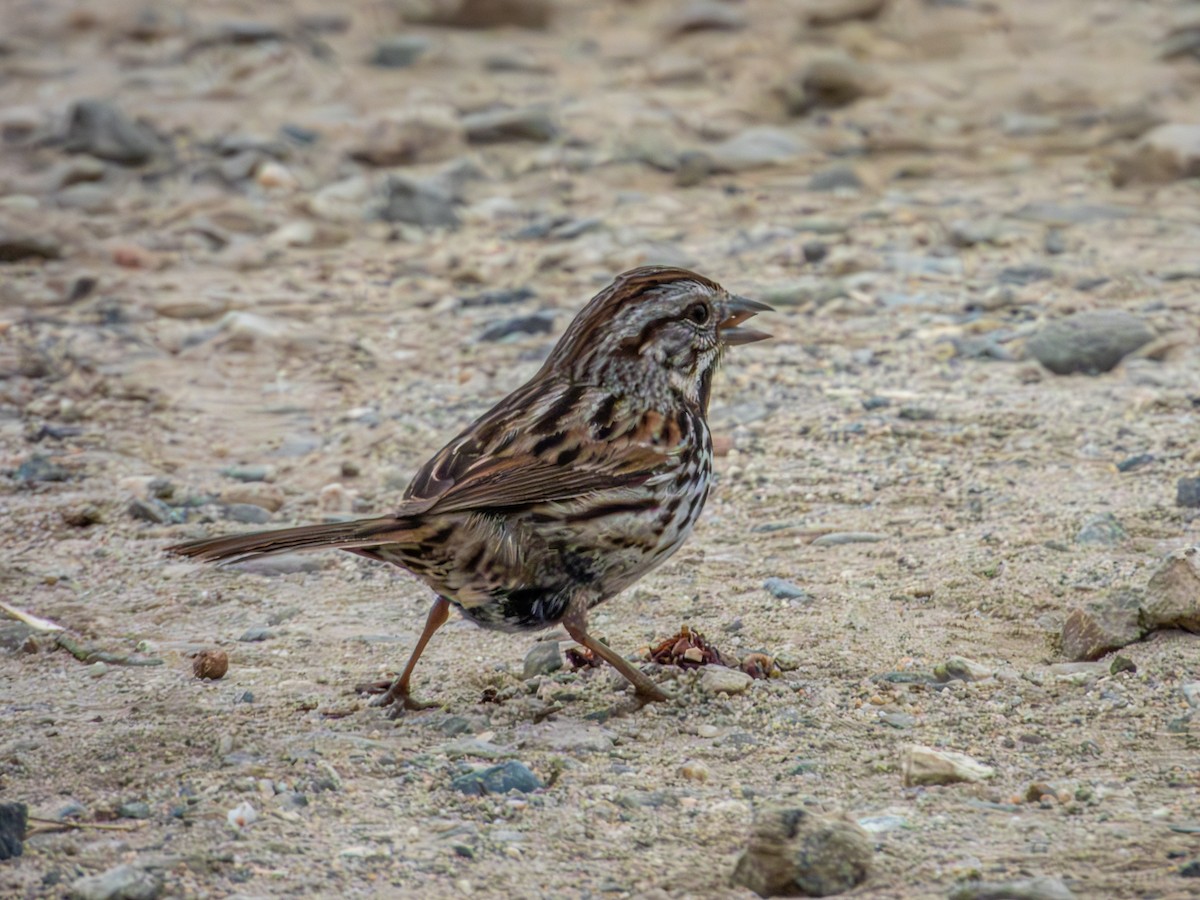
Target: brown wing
{"points": [[536, 446], [520, 481]]}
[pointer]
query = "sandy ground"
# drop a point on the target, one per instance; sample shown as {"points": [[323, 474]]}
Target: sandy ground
{"points": [[205, 316]]}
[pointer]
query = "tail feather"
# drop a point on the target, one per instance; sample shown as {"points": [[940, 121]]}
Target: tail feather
{"points": [[352, 535]]}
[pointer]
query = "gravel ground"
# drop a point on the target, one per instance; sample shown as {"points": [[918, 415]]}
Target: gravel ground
{"points": [[257, 261]]}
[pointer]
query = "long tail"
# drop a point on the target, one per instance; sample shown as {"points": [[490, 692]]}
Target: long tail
{"points": [[354, 535]]}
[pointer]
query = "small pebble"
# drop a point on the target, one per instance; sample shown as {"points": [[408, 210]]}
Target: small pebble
{"points": [[242, 815], [694, 771], [782, 589], [137, 809], [848, 537]]}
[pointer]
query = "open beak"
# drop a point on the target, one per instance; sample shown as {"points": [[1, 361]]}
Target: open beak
{"points": [[734, 312]]}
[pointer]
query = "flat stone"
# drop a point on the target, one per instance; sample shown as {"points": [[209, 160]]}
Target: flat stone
{"points": [[1173, 593], [841, 177], [531, 14], [247, 513], [501, 125], [753, 148], [1088, 342], [501, 779], [837, 538], [519, 326], [280, 564], [960, 668], [722, 680], [1040, 888], [924, 765], [1094, 629], [782, 589], [119, 883], [704, 15], [825, 13], [399, 52]]}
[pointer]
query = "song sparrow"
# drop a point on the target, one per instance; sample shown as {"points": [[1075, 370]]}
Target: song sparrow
{"points": [[569, 489]]}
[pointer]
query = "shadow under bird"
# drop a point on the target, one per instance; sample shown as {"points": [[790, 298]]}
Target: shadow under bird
{"points": [[569, 489]]}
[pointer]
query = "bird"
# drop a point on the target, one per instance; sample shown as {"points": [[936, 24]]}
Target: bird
{"points": [[568, 490]]}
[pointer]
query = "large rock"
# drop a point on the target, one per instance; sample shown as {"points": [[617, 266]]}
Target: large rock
{"points": [[795, 852], [1095, 628], [1089, 342], [1173, 593]]}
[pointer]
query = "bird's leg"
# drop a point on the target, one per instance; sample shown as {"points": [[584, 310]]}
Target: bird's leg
{"points": [[575, 621], [399, 691]]}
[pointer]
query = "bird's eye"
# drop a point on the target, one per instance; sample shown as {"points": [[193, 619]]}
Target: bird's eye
{"points": [[698, 313]]}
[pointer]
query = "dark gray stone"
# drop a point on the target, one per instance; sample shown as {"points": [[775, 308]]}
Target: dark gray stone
{"points": [[247, 513], [508, 776], [543, 658], [1088, 342], [835, 178], [105, 132], [536, 323], [1187, 492], [399, 52], [13, 817], [419, 202]]}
